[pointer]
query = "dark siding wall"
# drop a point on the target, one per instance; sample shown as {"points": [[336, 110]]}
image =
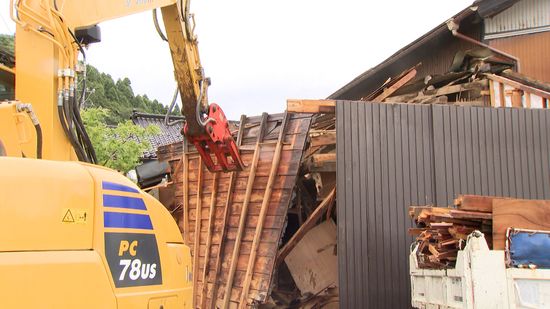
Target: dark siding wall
{"points": [[391, 156]]}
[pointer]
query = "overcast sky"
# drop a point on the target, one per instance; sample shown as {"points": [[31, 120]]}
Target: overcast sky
{"points": [[259, 53]]}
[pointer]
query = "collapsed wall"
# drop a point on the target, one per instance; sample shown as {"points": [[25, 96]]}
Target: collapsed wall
{"points": [[226, 216]]}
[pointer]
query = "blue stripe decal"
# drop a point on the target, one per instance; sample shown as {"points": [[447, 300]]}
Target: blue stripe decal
{"points": [[123, 202], [126, 220], [117, 187]]}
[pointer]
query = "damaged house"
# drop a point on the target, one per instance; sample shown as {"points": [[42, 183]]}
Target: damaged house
{"points": [[493, 53], [279, 235]]}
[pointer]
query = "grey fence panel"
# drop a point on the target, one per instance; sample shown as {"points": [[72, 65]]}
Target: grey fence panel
{"points": [[391, 156]]}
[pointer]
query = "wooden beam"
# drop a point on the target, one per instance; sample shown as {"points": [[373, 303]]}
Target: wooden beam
{"points": [[263, 213], [211, 213], [501, 95], [422, 97], [308, 225], [517, 98], [185, 194], [244, 212], [398, 84], [512, 83], [492, 93], [321, 162], [474, 203], [322, 138], [229, 199], [523, 214], [311, 106], [197, 244]]}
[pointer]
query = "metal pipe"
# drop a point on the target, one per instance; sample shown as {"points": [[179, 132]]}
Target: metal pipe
{"points": [[453, 27]]}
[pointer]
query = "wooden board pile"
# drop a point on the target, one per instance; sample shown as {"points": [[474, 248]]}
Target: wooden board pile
{"points": [[441, 232]]}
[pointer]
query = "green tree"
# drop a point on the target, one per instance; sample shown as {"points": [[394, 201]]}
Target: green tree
{"points": [[7, 43], [119, 97], [118, 147]]}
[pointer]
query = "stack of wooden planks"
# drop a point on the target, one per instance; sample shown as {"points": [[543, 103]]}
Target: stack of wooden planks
{"points": [[441, 232]]}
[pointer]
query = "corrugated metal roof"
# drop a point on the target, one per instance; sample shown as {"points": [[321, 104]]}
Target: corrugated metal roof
{"points": [[527, 16], [169, 134], [489, 8]]}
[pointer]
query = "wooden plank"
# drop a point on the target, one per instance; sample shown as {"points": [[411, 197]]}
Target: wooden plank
{"points": [[492, 93], [311, 106], [236, 249], [428, 95], [313, 263], [323, 138], [263, 212], [308, 225], [197, 235], [209, 239], [321, 162], [517, 85], [185, 214], [524, 214], [225, 218], [501, 95], [516, 98], [475, 202], [398, 84]]}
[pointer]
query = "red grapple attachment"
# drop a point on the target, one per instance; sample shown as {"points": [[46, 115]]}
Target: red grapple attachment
{"points": [[217, 141]]}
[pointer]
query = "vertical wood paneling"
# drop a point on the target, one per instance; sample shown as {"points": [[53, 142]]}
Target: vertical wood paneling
{"points": [[391, 156], [532, 50]]}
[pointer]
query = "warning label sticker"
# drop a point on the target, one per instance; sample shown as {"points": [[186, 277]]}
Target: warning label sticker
{"points": [[74, 215], [68, 217]]}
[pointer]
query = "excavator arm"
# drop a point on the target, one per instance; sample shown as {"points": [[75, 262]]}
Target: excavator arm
{"points": [[47, 50]]}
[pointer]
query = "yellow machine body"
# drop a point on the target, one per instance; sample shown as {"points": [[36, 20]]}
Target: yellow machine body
{"points": [[76, 235]]}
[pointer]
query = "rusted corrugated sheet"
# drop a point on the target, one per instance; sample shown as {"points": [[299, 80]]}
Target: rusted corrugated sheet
{"points": [[210, 188], [533, 51], [524, 17], [391, 156]]}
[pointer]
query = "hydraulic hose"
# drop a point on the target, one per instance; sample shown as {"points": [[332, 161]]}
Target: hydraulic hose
{"points": [[27, 108], [38, 141], [167, 121], [157, 26]]}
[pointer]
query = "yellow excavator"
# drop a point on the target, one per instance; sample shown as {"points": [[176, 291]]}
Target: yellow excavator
{"points": [[74, 234]]}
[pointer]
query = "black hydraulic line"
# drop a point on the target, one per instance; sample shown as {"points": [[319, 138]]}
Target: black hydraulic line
{"points": [[167, 121], [79, 124], [27, 108], [78, 146], [83, 135], [157, 26], [60, 111], [38, 141]]}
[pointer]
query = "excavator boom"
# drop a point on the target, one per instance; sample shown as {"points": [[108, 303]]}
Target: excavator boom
{"points": [[50, 38]]}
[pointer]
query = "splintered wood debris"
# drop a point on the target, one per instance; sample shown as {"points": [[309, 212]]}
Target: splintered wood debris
{"points": [[237, 224], [442, 232]]}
